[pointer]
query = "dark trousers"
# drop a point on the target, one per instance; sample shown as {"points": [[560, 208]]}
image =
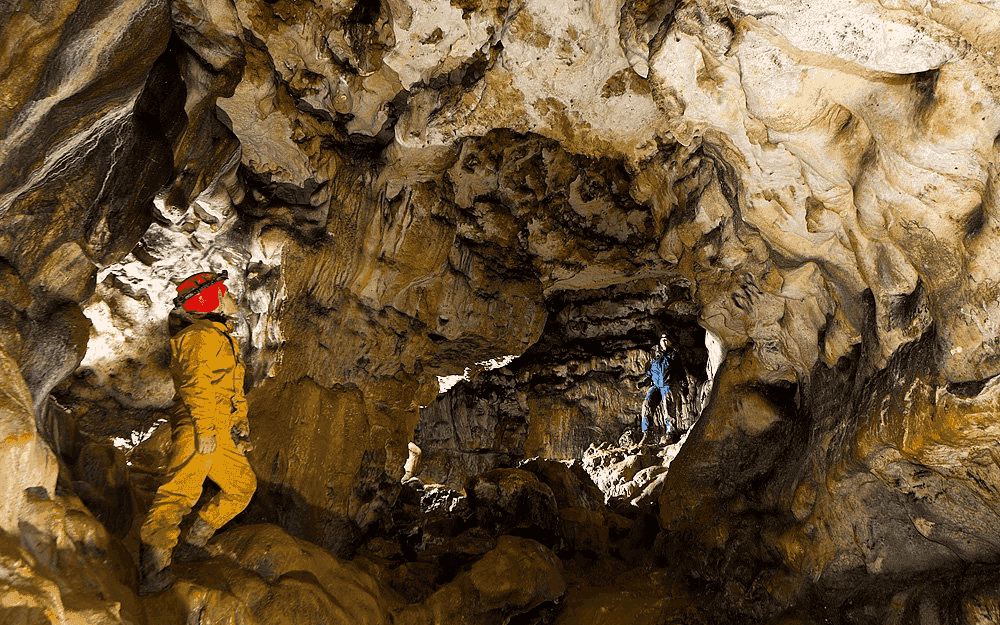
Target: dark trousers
{"points": [[656, 396]]}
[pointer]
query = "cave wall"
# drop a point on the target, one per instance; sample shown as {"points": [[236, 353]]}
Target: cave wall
{"points": [[86, 136], [839, 474], [401, 189]]}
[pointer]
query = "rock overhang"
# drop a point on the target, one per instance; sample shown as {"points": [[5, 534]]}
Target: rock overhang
{"points": [[412, 183]]}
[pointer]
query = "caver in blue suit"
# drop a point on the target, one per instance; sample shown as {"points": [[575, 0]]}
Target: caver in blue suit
{"points": [[658, 372]]}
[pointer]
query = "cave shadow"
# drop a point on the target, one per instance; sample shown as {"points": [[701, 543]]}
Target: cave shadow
{"points": [[282, 505]]}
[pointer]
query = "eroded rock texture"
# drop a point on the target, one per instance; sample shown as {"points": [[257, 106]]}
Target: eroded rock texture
{"points": [[403, 189], [578, 386]]}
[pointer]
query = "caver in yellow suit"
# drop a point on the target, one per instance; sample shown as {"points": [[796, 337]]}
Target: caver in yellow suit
{"points": [[210, 430]]}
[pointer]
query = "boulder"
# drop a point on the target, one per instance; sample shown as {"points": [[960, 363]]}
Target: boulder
{"points": [[508, 500], [570, 483], [517, 576], [261, 574], [63, 566], [584, 530]]}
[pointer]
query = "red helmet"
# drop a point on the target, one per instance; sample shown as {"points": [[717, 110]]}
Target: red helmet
{"points": [[201, 292]]}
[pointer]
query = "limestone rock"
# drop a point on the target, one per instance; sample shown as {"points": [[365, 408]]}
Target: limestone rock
{"points": [[31, 465], [582, 522], [570, 483], [83, 144], [260, 574], [100, 479], [559, 398], [623, 471], [430, 533], [515, 577], [512, 499], [584, 530], [60, 562], [147, 465], [472, 429], [62, 565], [403, 189]]}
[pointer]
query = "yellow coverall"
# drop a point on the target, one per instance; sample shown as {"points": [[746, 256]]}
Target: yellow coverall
{"points": [[208, 376]]}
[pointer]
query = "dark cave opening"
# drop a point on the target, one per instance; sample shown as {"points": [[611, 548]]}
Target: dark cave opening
{"points": [[581, 386]]}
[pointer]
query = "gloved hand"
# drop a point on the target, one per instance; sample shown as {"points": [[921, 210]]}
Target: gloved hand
{"points": [[241, 436], [204, 444]]}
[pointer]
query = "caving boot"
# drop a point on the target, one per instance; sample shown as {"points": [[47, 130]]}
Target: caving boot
{"points": [[193, 545], [154, 568], [200, 532], [668, 438]]}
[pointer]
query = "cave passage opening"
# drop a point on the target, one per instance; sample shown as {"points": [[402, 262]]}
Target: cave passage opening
{"points": [[577, 394]]}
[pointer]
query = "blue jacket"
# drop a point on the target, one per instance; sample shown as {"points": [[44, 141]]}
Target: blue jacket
{"points": [[660, 370]]}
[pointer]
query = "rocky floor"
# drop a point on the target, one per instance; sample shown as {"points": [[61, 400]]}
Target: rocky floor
{"points": [[540, 543]]}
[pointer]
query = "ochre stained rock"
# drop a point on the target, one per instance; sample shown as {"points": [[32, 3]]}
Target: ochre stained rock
{"points": [[284, 421], [60, 564], [515, 577], [512, 499], [30, 462], [260, 574], [82, 144], [404, 189]]}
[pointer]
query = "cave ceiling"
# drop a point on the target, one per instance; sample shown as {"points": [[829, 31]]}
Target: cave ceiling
{"points": [[784, 163], [403, 188]]}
